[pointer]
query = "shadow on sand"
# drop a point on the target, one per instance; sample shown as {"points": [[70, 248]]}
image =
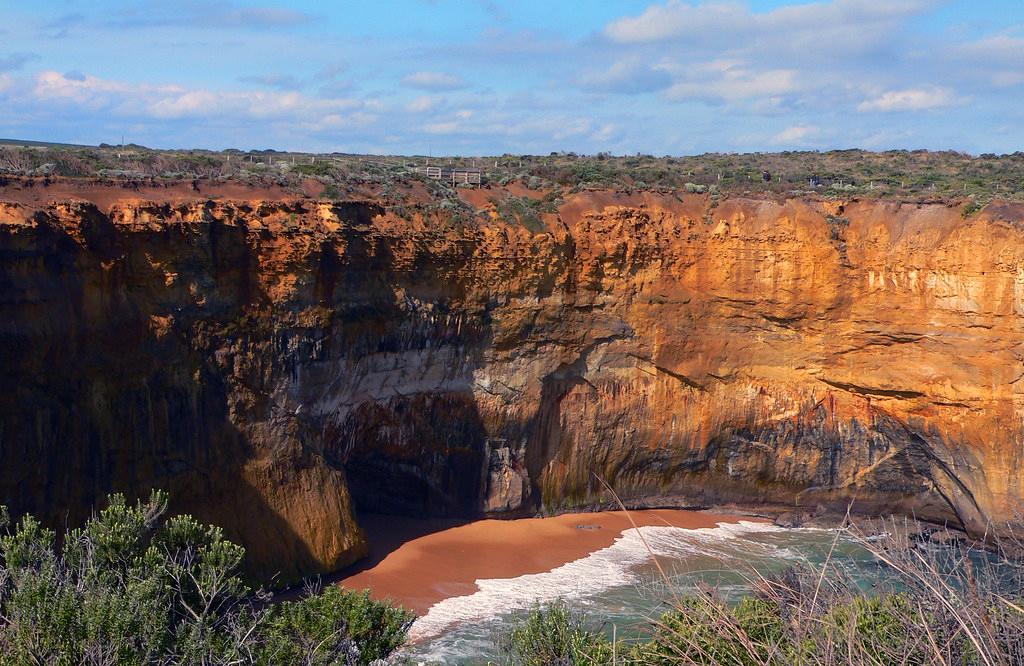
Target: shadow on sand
{"points": [[386, 534]]}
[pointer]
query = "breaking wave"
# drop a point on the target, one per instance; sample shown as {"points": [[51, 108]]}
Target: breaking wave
{"points": [[609, 567]]}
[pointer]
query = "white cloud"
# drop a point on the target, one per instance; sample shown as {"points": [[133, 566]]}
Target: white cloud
{"points": [[910, 99], [191, 103], [573, 128], [433, 81], [424, 103], [677, 19], [629, 77], [522, 131], [722, 21], [441, 128], [996, 59], [172, 101], [995, 50], [797, 135], [829, 53], [1007, 79], [87, 91], [731, 81], [607, 132], [211, 117]]}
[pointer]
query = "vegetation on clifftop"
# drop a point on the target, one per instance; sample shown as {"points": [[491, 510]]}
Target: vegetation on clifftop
{"points": [[895, 174], [133, 586]]}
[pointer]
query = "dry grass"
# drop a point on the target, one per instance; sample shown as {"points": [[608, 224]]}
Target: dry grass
{"points": [[943, 603]]}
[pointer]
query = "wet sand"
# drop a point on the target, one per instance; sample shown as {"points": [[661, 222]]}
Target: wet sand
{"points": [[419, 562]]}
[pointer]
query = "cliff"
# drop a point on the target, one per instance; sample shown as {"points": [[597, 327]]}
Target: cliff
{"points": [[275, 364]]}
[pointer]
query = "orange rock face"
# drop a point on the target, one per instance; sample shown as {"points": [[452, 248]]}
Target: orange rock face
{"points": [[274, 364]]}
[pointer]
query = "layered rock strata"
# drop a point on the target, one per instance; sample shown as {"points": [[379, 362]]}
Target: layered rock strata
{"points": [[276, 364]]}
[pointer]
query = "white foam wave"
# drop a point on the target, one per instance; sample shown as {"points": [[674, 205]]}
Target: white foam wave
{"points": [[610, 567]]}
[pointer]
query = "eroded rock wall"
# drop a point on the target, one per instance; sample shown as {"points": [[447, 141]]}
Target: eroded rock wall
{"points": [[274, 363]]}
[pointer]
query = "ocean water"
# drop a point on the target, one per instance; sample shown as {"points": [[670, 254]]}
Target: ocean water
{"points": [[624, 587]]}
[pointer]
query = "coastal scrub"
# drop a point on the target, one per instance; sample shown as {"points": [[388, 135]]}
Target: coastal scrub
{"points": [[133, 586]]}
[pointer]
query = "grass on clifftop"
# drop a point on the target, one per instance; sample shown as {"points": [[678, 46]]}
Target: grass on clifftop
{"points": [[133, 586]]}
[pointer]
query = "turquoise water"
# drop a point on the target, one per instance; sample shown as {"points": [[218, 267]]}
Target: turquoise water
{"points": [[622, 586]]}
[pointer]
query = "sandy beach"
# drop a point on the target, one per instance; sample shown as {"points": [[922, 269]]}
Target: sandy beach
{"points": [[419, 562]]}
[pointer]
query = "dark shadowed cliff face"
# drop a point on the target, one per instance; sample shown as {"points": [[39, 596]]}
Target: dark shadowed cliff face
{"points": [[274, 365]]}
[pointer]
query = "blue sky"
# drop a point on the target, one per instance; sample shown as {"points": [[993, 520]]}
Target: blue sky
{"points": [[530, 76]]}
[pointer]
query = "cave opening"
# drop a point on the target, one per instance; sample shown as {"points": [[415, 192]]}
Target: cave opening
{"points": [[417, 456]]}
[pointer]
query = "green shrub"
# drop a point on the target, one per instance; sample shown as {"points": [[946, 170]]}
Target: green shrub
{"points": [[587, 171], [321, 168], [331, 192], [525, 211], [134, 587], [876, 626], [702, 631], [971, 208], [554, 635], [307, 631]]}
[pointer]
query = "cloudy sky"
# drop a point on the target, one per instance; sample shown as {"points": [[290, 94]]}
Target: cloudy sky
{"points": [[529, 76]]}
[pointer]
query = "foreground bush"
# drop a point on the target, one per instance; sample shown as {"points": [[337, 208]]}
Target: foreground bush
{"points": [[554, 635], [135, 587], [937, 607]]}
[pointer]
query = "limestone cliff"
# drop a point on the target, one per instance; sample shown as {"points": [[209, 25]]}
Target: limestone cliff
{"points": [[274, 364]]}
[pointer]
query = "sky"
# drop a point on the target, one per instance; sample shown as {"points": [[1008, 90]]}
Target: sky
{"points": [[483, 77]]}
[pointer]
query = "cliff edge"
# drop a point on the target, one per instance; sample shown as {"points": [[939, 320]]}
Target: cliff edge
{"points": [[274, 364]]}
